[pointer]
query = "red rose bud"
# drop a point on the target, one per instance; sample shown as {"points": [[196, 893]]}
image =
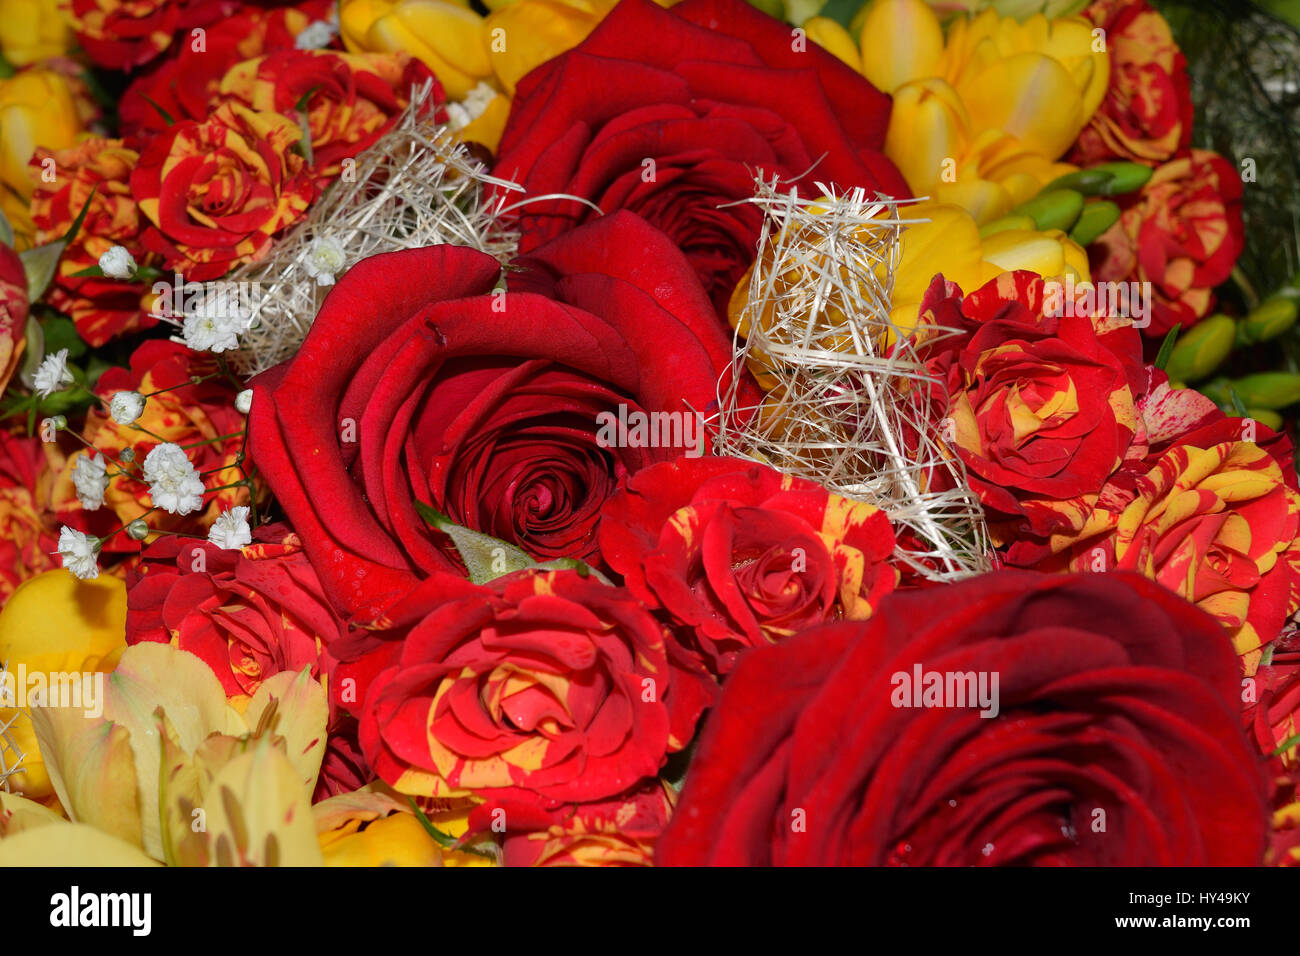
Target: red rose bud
{"points": [[1116, 740]]}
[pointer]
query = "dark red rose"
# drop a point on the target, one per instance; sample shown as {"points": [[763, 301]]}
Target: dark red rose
{"points": [[671, 113], [537, 690], [1117, 737], [741, 555], [418, 384]]}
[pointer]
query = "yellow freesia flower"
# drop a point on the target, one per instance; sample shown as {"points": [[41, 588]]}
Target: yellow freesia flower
{"points": [[33, 30], [37, 108], [981, 121], [55, 624], [447, 36], [526, 34]]}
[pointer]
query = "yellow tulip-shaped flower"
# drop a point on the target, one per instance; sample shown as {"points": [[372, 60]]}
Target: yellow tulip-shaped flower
{"points": [[526, 34], [446, 36], [901, 41], [33, 30], [37, 108], [927, 133], [55, 624], [834, 39]]}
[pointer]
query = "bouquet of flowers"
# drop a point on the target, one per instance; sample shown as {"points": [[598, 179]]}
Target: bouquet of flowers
{"points": [[579, 432]]}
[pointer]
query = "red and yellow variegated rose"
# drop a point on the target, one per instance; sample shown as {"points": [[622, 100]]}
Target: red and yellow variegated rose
{"points": [[249, 613], [1216, 524], [124, 34], [184, 85], [350, 99], [28, 532], [13, 313], [102, 308], [1182, 233], [617, 832], [180, 412], [1041, 406], [1147, 113], [215, 192], [742, 555], [537, 690]]}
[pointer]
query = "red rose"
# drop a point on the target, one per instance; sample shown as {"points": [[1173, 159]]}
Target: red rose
{"points": [[1182, 233], [124, 34], [350, 100], [184, 85], [538, 690], [671, 113], [217, 191], [1040, 404], [418, 384], [1147, 113], [1117, 739], [13, 313], [29, 532], [621, 831], [744, 555]]}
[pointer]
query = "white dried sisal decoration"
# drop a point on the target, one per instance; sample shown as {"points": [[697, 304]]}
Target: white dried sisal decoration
{"points": [[840, 412], [11, 757], [416, 186]]}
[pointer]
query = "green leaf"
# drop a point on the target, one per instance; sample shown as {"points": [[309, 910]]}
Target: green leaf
{"points": [[485, 557], [6, 231], [1238, 406], [86, 273], [1286, 745], [573, 564], [445, 840], [166, 117], [1167, 347], [41, 262], [34, 354], [60, 332], [6, 68]]}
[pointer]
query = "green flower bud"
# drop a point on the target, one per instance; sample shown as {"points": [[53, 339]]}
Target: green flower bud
{"points": [[1270, 319], [1202, 349], [1268, 389], [1095, 219], [137, 530], [1055, 209], [1265, 417], [1005, 224]]}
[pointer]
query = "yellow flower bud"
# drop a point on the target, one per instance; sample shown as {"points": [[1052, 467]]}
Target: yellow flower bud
{"points": [[526, 34], [33, 30], [901, 41], [37, 108], [834, 39]]}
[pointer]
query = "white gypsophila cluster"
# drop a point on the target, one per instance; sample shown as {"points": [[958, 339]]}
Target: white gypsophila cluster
{"points": [[125, 407], [841, 410], [79, 552], [475, 103], [174, 482], [216, 330], [117, 263], [230, 531], [326, 258], [90, 479], [244, 401], [315, 36], [52, 374]]}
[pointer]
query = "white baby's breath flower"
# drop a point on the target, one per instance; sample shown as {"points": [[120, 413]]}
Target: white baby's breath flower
{"points": [[230, 531], [211, 333], [125, 407], [316, 36], [174, 482], [244, 401], [52, 374], [90, 479], [79, 552], [117, 263], [325, 260], [471, 107]]}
